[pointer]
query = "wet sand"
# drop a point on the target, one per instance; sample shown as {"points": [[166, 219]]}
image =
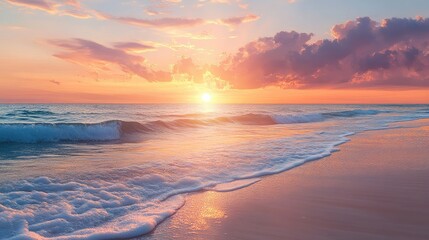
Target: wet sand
{"points": [[376, 187]]}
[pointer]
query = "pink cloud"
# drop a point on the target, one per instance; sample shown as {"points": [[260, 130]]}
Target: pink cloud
{"points": [[178, 22], [133, 46], [187, 68], [89, 53], [35, 4], [160, 22], [363, 53], [76, 13], [74, 9], [63, 7], [234, 21]]}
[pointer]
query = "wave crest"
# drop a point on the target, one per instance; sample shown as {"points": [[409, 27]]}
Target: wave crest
{"points": [[352, 113], [116, 129], [29, 113], [44, 132]]}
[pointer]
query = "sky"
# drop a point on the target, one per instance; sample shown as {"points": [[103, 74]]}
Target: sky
{"points": [[237, 51]]}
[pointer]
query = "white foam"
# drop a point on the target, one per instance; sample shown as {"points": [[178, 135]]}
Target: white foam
{"points": [[234, 185], [131, 201], [44, 208], [103, 207]]}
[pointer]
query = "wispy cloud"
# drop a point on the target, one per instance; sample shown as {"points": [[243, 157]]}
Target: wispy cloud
{"points": [[238, 3], [160, 7], [71, 8], [158, 23], [133, 47], [180, 22], [55, 82], [92, 54], [35, 4], [234, 21], [74, 9]]}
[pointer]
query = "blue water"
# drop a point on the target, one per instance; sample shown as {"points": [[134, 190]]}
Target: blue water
{"points": [[116, 171]]}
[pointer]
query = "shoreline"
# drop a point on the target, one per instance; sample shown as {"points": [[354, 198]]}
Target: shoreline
{"points": [[318, 200]]}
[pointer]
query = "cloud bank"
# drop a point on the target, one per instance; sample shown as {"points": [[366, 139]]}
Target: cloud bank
{"points": [[362, 53]]}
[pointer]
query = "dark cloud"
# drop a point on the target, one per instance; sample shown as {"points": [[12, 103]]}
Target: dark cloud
{"points": [[89, 53], [391, 59], [377, 61], [361, 53], [404, 29]]}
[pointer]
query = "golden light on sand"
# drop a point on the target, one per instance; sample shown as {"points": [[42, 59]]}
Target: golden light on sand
{"points": [[206, 97]]}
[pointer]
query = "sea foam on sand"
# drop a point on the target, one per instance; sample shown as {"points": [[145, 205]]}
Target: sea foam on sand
{"points": [[147, 180]]}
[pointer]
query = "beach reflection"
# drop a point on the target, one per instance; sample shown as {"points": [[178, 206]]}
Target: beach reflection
{"points": [[203, 213], [208, 212]]}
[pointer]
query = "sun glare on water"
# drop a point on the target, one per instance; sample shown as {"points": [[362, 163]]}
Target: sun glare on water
{"points": [[206, 97]]}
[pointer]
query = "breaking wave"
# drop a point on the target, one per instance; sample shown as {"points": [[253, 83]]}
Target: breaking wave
{"points": [[116, 129], [46, 132]]}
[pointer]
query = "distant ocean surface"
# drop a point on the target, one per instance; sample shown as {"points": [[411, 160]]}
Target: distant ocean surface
{"points": [[116, 171]]}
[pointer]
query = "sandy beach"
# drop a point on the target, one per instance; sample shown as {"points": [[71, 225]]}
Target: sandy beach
{"points": [[375, 187], [214, 120]]}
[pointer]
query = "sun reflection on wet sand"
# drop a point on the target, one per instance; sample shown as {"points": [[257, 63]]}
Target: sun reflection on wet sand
{"points": [[204, 213], [324, 193]]}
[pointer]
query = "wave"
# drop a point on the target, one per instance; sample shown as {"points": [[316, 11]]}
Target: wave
{"points": [[126, 202], [29, 113], [244, 119], [110, 130], [352, 113], [61, 132], [302, 118], [117, 130], [185, 115]]}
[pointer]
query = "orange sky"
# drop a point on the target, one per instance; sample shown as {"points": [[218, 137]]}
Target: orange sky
{"points": [[236, 50]]}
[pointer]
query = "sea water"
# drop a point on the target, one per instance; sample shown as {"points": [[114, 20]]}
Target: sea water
{"points": [[116, 171]]}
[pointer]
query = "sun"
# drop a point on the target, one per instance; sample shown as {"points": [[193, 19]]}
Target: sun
{"points": [[206, 97]]}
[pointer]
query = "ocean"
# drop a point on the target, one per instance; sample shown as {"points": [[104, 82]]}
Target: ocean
{"points": [[94, 171]]}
